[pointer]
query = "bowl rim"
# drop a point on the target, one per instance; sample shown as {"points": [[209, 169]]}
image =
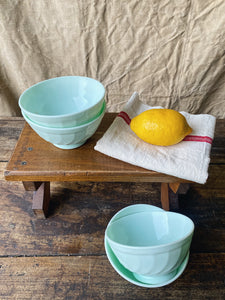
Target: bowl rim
{"points": [[62, 115], [28, 120], [178, 241]]}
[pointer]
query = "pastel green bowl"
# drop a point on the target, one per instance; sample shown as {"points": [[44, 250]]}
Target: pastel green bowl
{"points": [[149, 241], [67, 138], [66, 101]]}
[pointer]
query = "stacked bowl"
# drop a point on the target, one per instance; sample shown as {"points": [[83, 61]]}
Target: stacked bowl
{"points": [[65, 111], [147, 245]]}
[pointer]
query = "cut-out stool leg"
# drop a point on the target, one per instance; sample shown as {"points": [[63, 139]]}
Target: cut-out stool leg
{"points": [[31, 185], [41, 200]]}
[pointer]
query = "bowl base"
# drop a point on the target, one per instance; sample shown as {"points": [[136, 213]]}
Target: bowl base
{"points": [[155, 279], [73, 146]]}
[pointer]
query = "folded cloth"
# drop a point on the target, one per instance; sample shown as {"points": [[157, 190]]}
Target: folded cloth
{"points": [[188, 159]]}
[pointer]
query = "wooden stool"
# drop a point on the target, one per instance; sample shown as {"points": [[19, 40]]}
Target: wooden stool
{"points": [[36, 163]]}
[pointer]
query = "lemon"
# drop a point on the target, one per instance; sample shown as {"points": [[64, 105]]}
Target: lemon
{"points": [[162, 127]]}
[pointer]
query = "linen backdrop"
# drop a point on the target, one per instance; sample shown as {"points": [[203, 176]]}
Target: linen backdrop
{"points": [[170, 52]]}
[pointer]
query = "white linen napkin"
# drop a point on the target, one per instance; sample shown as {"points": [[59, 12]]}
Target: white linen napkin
{"points": [[188, 159]]}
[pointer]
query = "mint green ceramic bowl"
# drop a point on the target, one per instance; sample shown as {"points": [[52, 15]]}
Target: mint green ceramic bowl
{"points": [[67, 138], [150, 242], [62, 102]]}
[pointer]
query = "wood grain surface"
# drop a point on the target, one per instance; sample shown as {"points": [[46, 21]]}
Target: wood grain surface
{"points": [[92, 277], [34, 159], [63, 257]]}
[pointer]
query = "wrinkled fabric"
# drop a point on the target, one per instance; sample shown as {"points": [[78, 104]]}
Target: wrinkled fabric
{"points": [[171, 52]]}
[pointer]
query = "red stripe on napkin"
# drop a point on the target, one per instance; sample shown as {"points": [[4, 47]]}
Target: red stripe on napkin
{"points": [[197, 138], [125, 116], [188, 138]]}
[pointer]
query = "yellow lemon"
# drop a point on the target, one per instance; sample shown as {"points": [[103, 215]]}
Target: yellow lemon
{"points": [[162, 127]]}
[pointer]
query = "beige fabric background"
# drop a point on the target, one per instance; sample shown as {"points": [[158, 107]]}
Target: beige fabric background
{"points": [[171, 52]]}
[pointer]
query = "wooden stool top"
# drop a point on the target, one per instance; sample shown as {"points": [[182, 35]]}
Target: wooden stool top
{"points": [[34, 159]]}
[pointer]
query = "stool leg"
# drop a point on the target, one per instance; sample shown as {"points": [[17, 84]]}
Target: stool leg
{"points": [[31, 185], [174, 186], [176, 189], [41, 199], [165, 196]]}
